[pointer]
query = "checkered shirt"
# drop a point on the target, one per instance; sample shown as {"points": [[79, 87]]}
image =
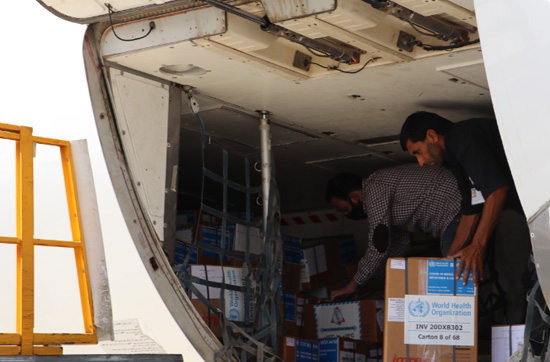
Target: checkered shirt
{"points": [[406, 199]]}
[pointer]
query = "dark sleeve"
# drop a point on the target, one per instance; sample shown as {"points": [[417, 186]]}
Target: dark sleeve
{"points": [[480, 164]]}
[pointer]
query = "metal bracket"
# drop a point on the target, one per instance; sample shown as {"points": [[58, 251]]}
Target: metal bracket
{"points": [[406, 41]]}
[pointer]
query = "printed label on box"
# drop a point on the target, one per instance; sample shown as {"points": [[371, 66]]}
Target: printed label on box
{"points": [[292, 249], [338, 320], [316, 259], [441, 279], [306, 351], [439, 320], [397, 264], [396, 309], [505, 341], [234, 301], [207, 272], [304, 271], [349, 345], [352, 357], [291, 342], [289, 300], [254, 238], [185, 234]]}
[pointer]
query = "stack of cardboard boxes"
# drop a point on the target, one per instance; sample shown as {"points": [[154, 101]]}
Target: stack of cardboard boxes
{"points": [[344, 331], [199, 239], [426, 314]]}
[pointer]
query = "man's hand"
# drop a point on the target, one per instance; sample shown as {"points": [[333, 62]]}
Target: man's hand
{"points": [[348, 289], [471, 258]]}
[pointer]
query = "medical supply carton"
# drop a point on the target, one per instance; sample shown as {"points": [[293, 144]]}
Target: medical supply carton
{"points": [[429, 315], [300, 350], [360, 319]]}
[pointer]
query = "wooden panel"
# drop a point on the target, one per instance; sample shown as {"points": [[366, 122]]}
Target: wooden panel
{"points": [[64, 338], [10, 338], [48, 351]]}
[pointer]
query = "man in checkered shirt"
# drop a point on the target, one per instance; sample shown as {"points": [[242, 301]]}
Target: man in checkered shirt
{"points": [[396, 201]]}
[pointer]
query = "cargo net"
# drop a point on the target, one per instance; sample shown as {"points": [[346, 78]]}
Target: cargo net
{"points": [[236, 288]]}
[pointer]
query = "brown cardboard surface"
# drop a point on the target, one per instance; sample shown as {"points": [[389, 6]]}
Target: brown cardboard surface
{"points": [[291, 277], [394, 348], [210, 318]]}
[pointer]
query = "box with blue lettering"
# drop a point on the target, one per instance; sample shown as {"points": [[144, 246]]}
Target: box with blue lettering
{"points": [[429, 315]]}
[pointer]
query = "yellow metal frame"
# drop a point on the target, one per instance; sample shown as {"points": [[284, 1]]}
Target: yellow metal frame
{"points": [[25, 341]]}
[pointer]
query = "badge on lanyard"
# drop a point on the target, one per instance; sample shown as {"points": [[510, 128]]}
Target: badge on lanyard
{"points": [[477, 196]]}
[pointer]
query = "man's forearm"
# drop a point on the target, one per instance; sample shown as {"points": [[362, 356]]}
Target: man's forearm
{"points": [[464, 233], [489, 216]]}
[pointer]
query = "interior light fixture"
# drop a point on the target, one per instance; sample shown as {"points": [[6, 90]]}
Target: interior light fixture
{"points": [[186, 70]]}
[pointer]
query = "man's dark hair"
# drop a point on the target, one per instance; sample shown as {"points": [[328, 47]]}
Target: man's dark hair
{"points": [[341, 185], [417, 124]]}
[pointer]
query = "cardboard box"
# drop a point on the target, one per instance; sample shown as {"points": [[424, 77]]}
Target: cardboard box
{"points": [[209, 234], [348, 350], [429, 315], [292, 249], [300, 350], [255, 241], [505, 341], [235, 306], [301, 301], [290, 277], [324, 261], [287, 309], [361, 319]]}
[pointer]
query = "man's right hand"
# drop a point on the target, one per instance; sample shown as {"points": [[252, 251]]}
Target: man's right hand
{"points": [[348, 289]]}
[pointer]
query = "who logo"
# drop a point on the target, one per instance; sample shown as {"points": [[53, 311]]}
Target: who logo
{"points": [[419, 308]]}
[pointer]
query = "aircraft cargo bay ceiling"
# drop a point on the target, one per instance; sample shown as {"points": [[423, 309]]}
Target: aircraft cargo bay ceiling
{"points": [[337, 77]]}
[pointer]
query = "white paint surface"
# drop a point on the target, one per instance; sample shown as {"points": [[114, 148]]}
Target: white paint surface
{"points": [[44, 87]]}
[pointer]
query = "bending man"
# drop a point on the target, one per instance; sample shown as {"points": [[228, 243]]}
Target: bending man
{"points": [[473, 150], [396, 201]]}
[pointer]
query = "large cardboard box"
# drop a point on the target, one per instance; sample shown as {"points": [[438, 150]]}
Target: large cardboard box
{"points": [[429, 315], [300, 350], [348, 350], [359, 319]]}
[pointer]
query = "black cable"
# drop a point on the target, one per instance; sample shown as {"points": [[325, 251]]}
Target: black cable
{"points": [[346, 71], [320, 65], [429, 47], [110, 8], [320, 55]]}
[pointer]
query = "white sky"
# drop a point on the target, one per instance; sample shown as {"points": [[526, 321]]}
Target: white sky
{"points": [[43, 86]]}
